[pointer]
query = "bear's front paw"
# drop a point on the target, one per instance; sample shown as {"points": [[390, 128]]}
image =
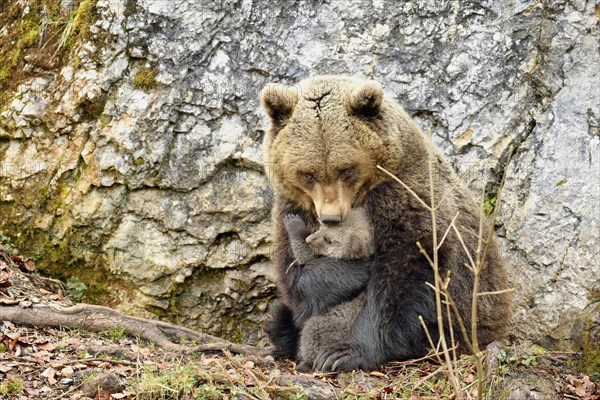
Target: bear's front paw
{"points": [[342, 357], [296, 227]]}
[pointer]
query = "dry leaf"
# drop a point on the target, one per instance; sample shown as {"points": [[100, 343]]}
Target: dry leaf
{"points": [[28, 266], [582, 387], [378, 374], [6, 367], [5, 279], [49, 375], [47, 346]]}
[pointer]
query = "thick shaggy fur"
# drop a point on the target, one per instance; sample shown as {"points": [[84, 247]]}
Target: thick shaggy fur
{"points": [[326, 315], [327, 136], [322, 282]]}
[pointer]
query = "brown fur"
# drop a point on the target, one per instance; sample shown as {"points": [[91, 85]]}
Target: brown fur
{"points": [[349, 240], [321, 153]]}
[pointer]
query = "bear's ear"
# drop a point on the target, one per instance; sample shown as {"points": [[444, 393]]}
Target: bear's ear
{"points": [[356, 246], [279, 101], [366, 99]]}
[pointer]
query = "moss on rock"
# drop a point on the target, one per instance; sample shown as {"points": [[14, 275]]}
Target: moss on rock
{"points": [[591, 343], [145, 79], [40, 36]]}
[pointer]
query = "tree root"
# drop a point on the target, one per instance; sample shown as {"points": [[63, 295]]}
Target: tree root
{"points": [[98, 319]]}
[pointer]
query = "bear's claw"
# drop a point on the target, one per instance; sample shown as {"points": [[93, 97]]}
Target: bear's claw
{"points": [[340, 358]]}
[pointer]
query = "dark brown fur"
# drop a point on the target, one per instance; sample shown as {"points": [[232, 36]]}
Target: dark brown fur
{"points": [[335, 124]]}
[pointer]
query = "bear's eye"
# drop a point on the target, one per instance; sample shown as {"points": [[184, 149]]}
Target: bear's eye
{"points": [[309, 178], [346, 173]]}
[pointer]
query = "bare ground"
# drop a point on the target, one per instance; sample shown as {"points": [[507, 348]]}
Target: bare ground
{"points": [[51, 348]]}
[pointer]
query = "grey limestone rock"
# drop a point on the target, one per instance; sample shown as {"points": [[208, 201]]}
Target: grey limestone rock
{"points": [[160, 190]]}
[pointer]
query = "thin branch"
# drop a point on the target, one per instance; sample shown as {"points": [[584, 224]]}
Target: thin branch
{"points": [[447, 230], [416, 360], [422, 250], [509, 290], [85, 360], [425, 378], [445, 196], [405, 186], [437, 355], [464, 246], [438, 280]]}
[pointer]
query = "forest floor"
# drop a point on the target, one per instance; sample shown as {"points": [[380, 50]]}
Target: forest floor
{"points": [[38, 361]]}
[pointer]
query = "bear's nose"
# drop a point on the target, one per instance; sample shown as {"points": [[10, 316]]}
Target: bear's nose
{"points": [[331, 219]]}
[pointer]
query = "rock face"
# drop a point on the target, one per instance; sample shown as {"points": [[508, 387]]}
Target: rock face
{"points": [[137, 166]]}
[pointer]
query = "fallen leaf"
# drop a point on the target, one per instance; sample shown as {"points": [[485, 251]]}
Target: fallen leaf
{"points": [[582, 387], [47, 346], [49, 375], [32, 391], [25, 304], [378, 374], [28, 266], [5, 279], [6, 367], [10, 341]]}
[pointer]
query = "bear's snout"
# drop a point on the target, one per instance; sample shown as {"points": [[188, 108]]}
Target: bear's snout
{"points": [[331, 219]]}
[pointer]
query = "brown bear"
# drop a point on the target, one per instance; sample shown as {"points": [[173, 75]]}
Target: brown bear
{"points": [[327, 136], [339, 270], [350, 240], [345, 242]]}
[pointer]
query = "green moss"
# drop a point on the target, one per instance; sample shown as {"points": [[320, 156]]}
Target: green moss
{"points": [[115, 334], [130, 6], [82, 20], [60, 259], [591, 350], [145, 79], [23, 39], [11, 385], [538, 351], [489, 204], [561, 182]]}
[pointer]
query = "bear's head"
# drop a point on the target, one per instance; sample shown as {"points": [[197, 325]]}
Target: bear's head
{"points": [[326, 138], [349, 240]]}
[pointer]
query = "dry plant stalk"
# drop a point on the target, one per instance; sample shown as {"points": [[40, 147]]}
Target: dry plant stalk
{"points": [[440, 286]]}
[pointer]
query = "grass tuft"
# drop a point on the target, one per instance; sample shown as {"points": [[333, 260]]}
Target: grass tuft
{"points": [[145, 79]]}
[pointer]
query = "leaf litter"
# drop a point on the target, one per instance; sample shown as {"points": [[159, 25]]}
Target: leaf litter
{"points": [[38, 362]]}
